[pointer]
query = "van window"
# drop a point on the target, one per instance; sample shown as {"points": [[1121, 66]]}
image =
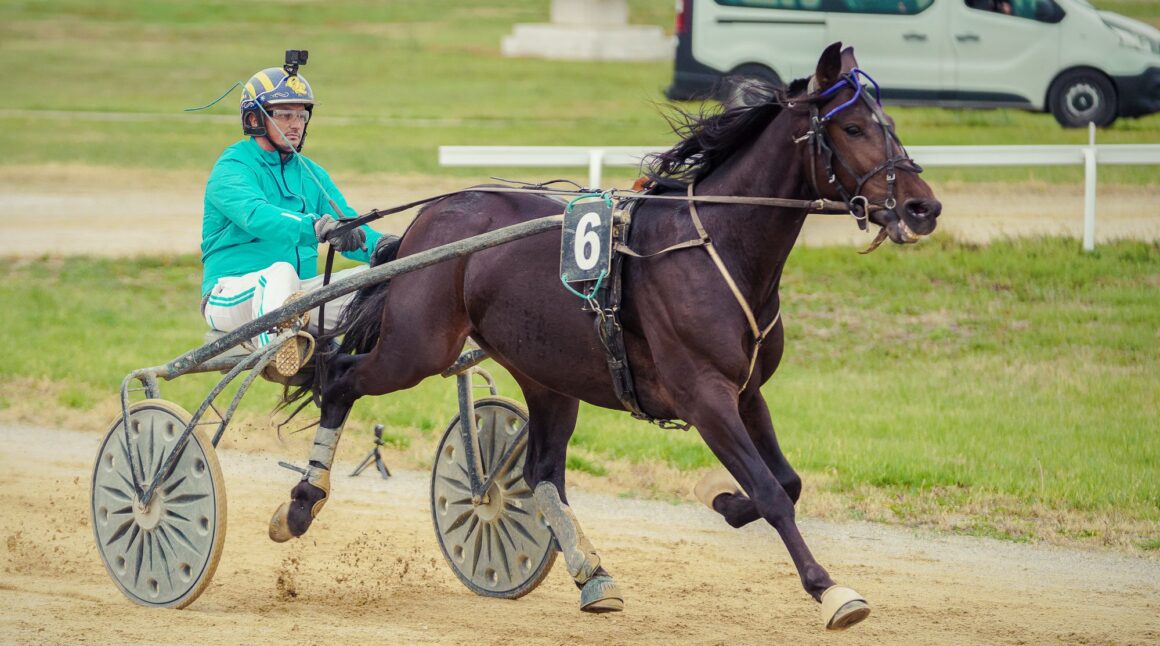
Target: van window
{"points": [[897, 7], [803, 5], [1041, 10]]}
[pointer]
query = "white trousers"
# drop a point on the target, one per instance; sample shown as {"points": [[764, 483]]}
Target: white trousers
{"points": [[237, 300]]}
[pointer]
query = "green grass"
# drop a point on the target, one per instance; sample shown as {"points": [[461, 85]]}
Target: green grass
{"points": [[1025, 370], [406, 76]]}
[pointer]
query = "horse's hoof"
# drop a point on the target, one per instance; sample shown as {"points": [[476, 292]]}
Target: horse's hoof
{"points": [[601, 594], [714, 484], [280, 524], [842, 608]]}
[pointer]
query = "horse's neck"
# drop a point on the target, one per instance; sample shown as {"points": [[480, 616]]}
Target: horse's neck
{"points": [[756, 240]]}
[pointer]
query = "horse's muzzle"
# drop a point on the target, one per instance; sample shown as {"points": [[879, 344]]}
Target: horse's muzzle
{"points": [[916, 218], [921, 214]]}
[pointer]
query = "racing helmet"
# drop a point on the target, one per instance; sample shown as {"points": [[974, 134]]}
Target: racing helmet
{"points": [[272, 86]]}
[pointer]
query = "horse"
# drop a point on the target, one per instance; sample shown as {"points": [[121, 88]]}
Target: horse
{"points": [[693, 341]]}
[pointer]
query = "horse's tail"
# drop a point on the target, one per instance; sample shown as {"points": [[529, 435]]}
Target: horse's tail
{"points": [[357, 332]]}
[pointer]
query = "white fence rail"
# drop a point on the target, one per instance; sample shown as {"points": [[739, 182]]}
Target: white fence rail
{"points": [[596, 158]]}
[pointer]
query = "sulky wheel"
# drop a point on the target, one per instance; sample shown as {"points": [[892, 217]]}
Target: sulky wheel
{"points": [[501, 547], [163, 555]]}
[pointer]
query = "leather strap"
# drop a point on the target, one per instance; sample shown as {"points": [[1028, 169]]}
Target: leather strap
{"points": [[759, 334]]}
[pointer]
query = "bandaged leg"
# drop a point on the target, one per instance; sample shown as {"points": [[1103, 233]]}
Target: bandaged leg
{"points": [[598, 591], [309, 496]]}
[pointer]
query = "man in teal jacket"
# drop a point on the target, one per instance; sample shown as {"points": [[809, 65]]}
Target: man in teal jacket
{"points": [[267, 208]]}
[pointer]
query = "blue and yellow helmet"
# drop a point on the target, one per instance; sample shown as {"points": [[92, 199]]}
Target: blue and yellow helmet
{"points": [[272, 86]]}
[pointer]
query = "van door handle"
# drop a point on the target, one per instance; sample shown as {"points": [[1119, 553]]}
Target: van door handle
{"points": [[913, 37], [967, 38]]}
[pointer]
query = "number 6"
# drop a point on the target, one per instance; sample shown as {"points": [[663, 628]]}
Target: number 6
{"points": [[586, 245]]}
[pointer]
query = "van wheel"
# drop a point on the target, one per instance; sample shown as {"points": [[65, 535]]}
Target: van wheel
{"points": [[1080, 96], [744, 85]]}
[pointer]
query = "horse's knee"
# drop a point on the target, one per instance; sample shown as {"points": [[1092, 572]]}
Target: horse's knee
{"points": [[776, 507]]}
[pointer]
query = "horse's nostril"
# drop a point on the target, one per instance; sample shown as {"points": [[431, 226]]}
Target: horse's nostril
{"points": [[923, 209]]}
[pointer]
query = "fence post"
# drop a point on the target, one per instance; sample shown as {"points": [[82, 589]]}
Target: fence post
{"points": [[595, 164], [1089, 190]]}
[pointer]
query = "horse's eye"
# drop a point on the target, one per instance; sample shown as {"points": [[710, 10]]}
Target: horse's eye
{"points": [[853, 131]]}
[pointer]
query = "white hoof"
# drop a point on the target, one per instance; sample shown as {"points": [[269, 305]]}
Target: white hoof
{"points": [[279, 524], [842, 608], [714, 484]]}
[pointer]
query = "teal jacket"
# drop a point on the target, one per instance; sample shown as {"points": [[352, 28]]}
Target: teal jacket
{"points": [[260, 210]]}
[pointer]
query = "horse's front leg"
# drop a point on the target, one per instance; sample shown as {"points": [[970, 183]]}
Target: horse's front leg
{"points": [[715, 412], [551, 420], [307, 498], [721, 493]]}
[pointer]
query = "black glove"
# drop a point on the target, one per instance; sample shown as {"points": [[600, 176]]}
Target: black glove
{"points": [[324, 229]]}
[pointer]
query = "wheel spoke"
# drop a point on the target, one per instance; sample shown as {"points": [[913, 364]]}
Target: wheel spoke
{"points": [[499, 547], [179, 532]]}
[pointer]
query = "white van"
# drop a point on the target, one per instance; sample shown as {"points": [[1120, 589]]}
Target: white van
{"points": [[1061, 56]]}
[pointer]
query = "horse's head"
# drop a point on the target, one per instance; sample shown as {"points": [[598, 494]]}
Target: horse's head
{"points": [[855, 156]]}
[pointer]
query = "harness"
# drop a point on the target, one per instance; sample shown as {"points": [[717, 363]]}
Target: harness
{"points": [[605, 302], [605, 299], [819, 146]]}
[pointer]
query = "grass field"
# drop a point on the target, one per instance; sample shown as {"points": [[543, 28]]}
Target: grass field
{"points": [[1017, 381], [106, 84]]}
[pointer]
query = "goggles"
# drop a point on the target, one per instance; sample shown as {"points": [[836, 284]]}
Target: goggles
{"points": [[286, 116]]}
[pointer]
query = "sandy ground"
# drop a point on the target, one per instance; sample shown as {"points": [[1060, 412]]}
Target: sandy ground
{"points": [[370, 571], [67, 209]]}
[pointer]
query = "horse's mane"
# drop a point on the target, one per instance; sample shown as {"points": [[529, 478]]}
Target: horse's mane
{"points": [[711, 135]]}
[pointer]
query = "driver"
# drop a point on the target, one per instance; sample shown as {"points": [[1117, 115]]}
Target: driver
{"points": [[267, 208]]}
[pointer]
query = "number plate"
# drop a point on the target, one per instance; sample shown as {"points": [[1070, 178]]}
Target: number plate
{"points": [[586, 246]]}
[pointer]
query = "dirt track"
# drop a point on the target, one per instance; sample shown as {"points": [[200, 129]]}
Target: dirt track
{"points": [[370, 571]]}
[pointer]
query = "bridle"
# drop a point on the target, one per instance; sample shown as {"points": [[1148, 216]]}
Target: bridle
{"points": [[820, 145]]}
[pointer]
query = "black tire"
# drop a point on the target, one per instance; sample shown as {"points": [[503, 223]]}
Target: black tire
{"points": [[745, 85], [1081, 96]]}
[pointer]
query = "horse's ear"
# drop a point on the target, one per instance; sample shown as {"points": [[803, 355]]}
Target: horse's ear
{"points": [[848, 60], [829, 66]]}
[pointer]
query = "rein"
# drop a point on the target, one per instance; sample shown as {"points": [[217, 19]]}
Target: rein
{"points": [[819, 144], [813, 206]]}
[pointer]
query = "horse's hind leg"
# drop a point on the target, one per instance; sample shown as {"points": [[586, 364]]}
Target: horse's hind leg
{"points": [[551, 420], [307, 498], [423, 329]]}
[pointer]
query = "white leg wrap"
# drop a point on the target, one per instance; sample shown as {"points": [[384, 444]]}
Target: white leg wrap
{"points": [[325, 445], [579, 554]]}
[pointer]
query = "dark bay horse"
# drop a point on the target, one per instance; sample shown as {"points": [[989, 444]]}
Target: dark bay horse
{"points": [[689, 342]]}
